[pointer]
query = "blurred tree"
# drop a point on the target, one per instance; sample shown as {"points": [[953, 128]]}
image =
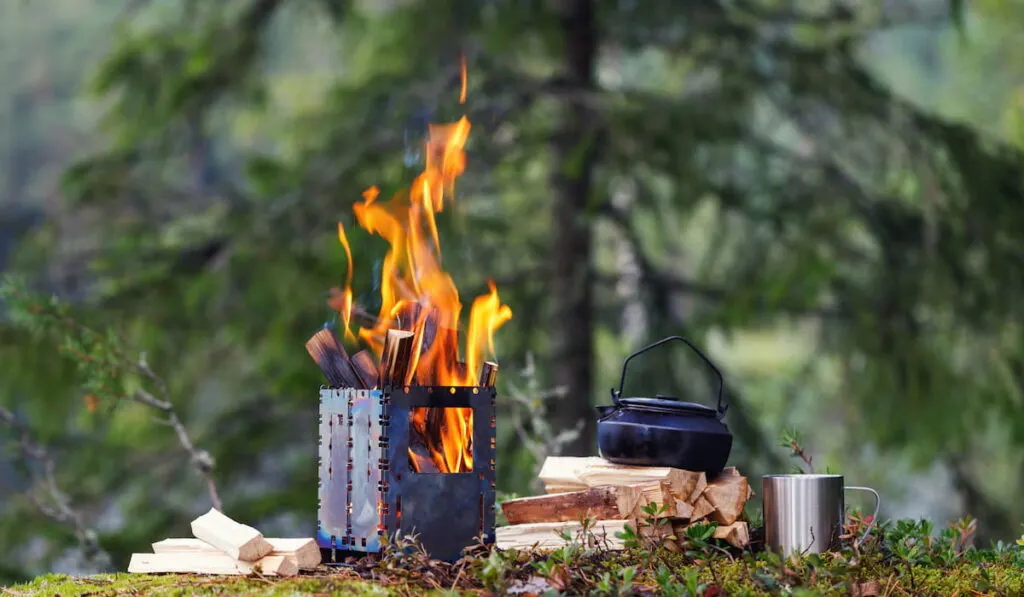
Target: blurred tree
{"points": [[723, 166]]}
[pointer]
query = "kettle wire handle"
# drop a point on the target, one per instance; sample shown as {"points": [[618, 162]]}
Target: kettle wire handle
{"points": [[721, 381]]}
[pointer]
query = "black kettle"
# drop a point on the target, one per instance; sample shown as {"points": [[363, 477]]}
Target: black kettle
{"points": [[663, 431]]}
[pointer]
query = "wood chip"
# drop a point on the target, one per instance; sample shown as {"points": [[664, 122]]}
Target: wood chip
{"points": [[239, 541]]}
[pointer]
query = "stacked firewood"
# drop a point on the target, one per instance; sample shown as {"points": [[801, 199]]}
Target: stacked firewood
{"points": [[223, 546], [612, 496]]}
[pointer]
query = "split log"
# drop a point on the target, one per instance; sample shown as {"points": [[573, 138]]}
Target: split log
{"points": [[304, 552], [488, 375], [366, 368], [239, 541], [736, 534], [598, 503], [702, 508], [546, 535], [209, 563], [727, 494], [565, 473], [430, 326], [396, 361], [407, 316], [683, 509], [419, 454], [332, 359]]}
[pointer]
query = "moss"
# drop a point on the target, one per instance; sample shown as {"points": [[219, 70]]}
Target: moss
{"points": [[751, 576], [173, 585]]}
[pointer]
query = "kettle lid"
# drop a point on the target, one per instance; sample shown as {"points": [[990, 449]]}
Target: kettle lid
{"points": [[668, 405]]}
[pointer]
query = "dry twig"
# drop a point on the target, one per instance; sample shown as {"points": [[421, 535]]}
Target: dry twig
{"points": [[115, 360], [45, 493], [531, 419]]}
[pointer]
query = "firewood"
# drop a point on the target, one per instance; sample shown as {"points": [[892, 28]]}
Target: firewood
{"points": [[241, 542], [546, 535], [332, 359], [736, 534], [564, 473], [430, 327], [304, 552], [208, 563], [396, 360], [702, 508], [407, 316], [683, 509], [488, 375], [366, 368], [598, 503], [728, 495], [418, 447]]}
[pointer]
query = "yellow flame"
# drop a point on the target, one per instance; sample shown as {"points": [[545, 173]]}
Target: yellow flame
{"points": [[417, 294]]}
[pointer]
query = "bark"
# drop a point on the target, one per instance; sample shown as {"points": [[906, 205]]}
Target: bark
{"points": [[574, 158]]}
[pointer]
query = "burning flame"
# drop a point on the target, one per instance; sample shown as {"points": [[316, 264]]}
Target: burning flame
{"points": [[418, 295]]}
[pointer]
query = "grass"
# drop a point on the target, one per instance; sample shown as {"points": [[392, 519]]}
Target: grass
{"points": [[898, 558]]}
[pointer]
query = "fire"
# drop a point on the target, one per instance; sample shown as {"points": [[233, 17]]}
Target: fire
{"points": [[418, 295], [448, 437]]}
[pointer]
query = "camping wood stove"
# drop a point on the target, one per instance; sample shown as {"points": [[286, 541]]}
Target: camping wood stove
{"points": [[369, 488]]}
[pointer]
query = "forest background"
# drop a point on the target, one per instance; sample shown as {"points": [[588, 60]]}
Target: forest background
{"points": [[826, 195]]}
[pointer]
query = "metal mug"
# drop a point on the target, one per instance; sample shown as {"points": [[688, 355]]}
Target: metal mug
{"points": [[804, 513]]}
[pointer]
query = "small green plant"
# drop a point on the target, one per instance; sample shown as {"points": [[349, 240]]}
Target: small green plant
{"points": [[652, 531], [493, 571], [668, 586], [616, 587], [792, 440]]}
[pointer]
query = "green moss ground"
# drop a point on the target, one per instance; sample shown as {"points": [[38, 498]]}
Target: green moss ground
{"points": [[898, 558], [734, 578], [56, 585]]}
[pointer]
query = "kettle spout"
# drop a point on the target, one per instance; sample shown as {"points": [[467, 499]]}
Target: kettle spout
{"points": [[604, 411]]}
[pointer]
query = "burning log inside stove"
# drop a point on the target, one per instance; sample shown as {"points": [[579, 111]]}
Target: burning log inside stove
{"points": [[420, 459], [366, 368], [488, 375], [332, 359], [441, 440], [396, 361]]}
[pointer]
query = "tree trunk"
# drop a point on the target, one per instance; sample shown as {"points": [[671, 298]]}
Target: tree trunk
{"points": [[572, 274], [994, 521]]}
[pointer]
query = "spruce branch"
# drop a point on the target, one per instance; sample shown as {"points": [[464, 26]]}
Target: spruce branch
{"points": [[791, 439], [105, 365]]}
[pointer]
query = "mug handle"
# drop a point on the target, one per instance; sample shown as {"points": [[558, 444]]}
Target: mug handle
{"points": [[874, 517]]}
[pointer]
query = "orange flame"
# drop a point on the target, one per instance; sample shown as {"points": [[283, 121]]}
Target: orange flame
{"points": [[418, 295], [462, 93], [344, 298]]}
